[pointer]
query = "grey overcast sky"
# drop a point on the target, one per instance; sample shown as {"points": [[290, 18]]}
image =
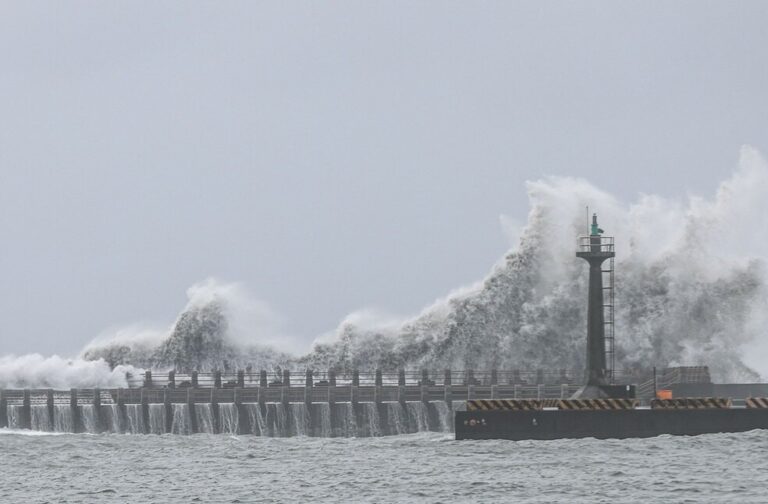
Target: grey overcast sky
{"points": [[334, 155]]}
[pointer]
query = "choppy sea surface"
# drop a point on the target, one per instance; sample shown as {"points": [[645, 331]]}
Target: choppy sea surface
{"points": [[424, 467]]}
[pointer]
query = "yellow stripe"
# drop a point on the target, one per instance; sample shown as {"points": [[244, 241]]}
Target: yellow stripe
{"points": [[597, 404], [505, 404], [692, 403]]}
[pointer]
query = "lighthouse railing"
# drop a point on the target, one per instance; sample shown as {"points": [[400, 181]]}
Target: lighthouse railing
{"points": [[595, 243]]}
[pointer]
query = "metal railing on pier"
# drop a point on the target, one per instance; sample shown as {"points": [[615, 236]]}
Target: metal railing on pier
{"points": [[671, 376], [302, 378]]}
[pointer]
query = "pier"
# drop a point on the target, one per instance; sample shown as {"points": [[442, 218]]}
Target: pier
{"points": [[287, 403], [294, 403]]}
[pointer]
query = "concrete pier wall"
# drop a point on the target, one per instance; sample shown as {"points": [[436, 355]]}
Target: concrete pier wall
{"points": [[619, 424], [359, 407], [229, 411]]}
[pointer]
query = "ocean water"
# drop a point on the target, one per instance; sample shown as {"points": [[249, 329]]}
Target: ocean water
{"points": [[42, 467]]}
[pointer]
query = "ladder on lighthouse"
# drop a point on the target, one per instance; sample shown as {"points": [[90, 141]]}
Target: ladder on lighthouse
{"points": [[608, 321]]}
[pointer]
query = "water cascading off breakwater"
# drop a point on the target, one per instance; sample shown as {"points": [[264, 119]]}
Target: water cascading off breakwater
{"points": [[342, 419]]}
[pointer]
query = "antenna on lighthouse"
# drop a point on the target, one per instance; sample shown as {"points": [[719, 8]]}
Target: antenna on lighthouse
{"points": [[587, 217]]}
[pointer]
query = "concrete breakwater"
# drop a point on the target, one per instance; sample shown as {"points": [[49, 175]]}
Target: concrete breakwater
{"points": [[343, 411], [354, 406], [117, 411]]}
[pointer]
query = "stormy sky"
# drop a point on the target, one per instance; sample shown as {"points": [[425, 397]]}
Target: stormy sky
{"points": [[335, 155]]}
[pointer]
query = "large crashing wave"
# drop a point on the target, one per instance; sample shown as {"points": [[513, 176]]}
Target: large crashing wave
{"points": [[690, 290], [207, 336]]}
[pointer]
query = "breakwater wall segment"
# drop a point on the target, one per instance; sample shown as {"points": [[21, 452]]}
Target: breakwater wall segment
{"points": [[619, 424], [315, 410], [284, 404]]}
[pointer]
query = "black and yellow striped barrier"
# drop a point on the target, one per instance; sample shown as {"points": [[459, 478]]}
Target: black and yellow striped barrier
{"points": [[504, 404], [691, 403], [597, 404], [757, 402]]}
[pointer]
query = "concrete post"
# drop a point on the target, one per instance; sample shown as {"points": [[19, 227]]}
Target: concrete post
{"points": [[308, 380], [243, 422], [26, 411], [241, 379], [121, 409], [331, 378], [217, 379], [147, 378], [401, 378], [285, 388], [144, 400], [424, 377], [401, 395], [263, 379], [308, 389], [494, 391], [539, 377], [494, 377], [355, 378], [564, 391], [378, 383], [194, 379], [96, 401], [168, 411], [470, 377], [517, 391], [332, 395], [424, 394], [540, 391], [215, 411], [261, 399], [75, 410], [171, 379], [50, 408], [470, 392], [285, 391], [353, 395], [3, 409], [192, 412], [447, 377]]}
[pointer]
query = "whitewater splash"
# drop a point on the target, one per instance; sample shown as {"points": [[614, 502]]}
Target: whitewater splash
{"points": [[213, 332], [690, 290], [36, 371]]}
